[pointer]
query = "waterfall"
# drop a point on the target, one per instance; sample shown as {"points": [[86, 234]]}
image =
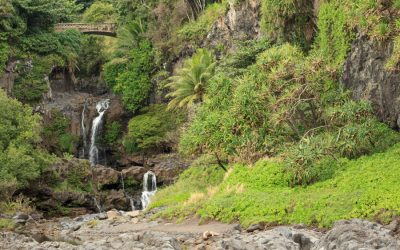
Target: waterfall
{"points": [[97, 205], [84, 132], [126, 194], [101, 108], [149, 188]]}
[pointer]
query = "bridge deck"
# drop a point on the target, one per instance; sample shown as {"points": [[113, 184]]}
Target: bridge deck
{"points": [[105, 29]]}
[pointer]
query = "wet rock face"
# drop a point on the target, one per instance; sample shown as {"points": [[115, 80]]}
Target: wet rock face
{"points": [[365, 75]]}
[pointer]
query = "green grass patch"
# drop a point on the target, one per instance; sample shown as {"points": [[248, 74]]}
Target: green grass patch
{"points": [[192, 184], [6, 224], [364, 188]]}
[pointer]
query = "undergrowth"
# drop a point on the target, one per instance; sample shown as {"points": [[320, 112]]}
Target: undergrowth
{"points": [[363, 188]]}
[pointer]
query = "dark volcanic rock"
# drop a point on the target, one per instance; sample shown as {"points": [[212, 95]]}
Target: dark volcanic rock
{"points": [[365, 74]]}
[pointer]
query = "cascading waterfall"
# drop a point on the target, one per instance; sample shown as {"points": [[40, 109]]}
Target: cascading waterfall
{"points": [[149, 188], [101, 108], [126, 194]]}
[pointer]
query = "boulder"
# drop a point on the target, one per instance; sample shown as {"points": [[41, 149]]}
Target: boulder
{"points": [[357, 234], [136, 172], [105, 175], [167, 167]]}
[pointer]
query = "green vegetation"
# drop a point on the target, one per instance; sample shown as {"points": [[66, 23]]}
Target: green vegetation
{"points": [[260, 193], [149, 130], [7, 224], [27, 36], [22, 159], [272, 110], [196, 30], [190, 83], [56, 138]]}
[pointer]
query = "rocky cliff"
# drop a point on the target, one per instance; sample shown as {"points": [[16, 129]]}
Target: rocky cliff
{"points": [[368, 79]]}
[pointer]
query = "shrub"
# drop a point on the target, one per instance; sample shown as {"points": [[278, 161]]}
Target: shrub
{"points": [[196, 30], [134, 84], [287, 21], [113, 132], [31, 84], [21, 158], [56, 137], [148, 131], [99, 12]]}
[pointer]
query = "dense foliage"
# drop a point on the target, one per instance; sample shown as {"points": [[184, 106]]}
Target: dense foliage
{"points": [[149, 130], [22, 159], [190, 83]]}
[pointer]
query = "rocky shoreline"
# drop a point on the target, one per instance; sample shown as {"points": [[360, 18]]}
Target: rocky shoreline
{"points": [[135, 230]]}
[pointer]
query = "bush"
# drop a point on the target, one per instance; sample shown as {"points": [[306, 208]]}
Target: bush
{"points": [[99, 12], [288, 21], [112, 133], [148, 131], [22, 160], [32, 84], [55, 135], [134, 84], [196, 30]]}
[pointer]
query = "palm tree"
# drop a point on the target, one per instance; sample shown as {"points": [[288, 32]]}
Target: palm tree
{"points": [[129, 36], [189, 85]]}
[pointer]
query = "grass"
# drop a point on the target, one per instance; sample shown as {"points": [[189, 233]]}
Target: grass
{"points": [[6, 224], [364, 188]]}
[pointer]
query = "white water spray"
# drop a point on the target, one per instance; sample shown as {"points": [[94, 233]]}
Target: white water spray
{"points": [[149, 188], [101, 108]]}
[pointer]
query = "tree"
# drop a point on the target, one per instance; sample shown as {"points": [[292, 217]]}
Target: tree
{"points": [[21, 158], [190, 83]]}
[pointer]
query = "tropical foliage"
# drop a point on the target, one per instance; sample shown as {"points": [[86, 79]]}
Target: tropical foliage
{"points": [[190, 83]]}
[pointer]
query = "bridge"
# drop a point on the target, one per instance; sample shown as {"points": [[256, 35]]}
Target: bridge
{"points": [[104, 29]]}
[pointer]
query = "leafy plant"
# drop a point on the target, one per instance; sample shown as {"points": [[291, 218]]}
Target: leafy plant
{"points": [[148, 131], [190, 83]]}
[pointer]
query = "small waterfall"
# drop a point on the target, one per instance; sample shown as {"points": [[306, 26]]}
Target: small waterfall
{"points": [[84, 132], [97, 205], [149, 188], [101, 108], [126, 194]]}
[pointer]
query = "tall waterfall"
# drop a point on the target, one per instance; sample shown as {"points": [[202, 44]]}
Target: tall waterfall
{"points": [[149, 188], [84, 131], [101, 108]]}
